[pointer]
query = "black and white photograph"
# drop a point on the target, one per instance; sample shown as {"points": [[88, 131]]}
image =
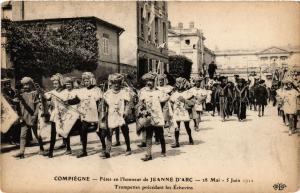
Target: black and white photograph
{"points": [[150, 96]]}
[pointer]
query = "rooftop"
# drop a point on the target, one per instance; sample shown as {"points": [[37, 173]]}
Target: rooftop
{"points": [[98, 20]]}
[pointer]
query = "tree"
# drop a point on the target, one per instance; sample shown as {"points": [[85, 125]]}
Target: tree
{"points": [[180, 66], [38, 50]]}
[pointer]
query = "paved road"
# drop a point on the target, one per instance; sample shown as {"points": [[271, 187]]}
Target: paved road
{"points": [[257, 151]]}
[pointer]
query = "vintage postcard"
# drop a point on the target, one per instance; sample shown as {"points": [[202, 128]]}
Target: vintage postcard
{"points": [[150, 96]]}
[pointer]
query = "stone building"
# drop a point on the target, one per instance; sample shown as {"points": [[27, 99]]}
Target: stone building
{"points": [[262, 62], [190, 43]]}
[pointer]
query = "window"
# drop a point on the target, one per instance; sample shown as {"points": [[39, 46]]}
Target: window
{"points": [[163, 5], [105, 42], [283, 57], [156, 39], [164, 32], [149, 28], [142, 23], [187, 42]]}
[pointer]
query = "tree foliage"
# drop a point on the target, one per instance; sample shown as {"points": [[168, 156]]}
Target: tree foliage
{"points": [[180, 66], [39, 49]]}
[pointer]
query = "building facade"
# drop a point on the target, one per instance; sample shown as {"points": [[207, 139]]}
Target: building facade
{"points": [[143, 44], [152, 53], [190, 43], [262, 62]]}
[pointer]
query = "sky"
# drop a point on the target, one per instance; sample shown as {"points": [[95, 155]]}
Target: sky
{"points": [[241, 25]]}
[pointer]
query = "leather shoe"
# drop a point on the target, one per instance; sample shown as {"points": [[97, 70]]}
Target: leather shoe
{"points": [[146, 158], [83, 154], [19, 155]]}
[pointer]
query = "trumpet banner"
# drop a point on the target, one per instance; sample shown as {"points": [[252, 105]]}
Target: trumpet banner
{"points": [[65, 119], [8, 115]]}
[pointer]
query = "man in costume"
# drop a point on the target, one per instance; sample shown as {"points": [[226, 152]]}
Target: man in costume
{"points": [[163, 86], [28, 101], [55, 99], [117, 101], [290, 107], [182, 109], [200, 96], [150, 115], [90, 97]]}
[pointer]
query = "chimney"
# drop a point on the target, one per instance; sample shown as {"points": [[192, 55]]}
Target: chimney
{"points": [[192, 24], [180, 25]]}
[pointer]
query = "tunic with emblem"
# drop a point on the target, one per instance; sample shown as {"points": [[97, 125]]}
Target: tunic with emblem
{"points": [[116, 107], [88, 103]]}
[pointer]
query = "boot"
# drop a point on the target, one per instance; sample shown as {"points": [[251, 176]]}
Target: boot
{"points": [[83, 154], [176, 144], [191, 140], [68, 152], [106, 156], [48, 154]]}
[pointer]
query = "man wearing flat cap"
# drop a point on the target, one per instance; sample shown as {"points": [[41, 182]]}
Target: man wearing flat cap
{"points": [[150, 99]]}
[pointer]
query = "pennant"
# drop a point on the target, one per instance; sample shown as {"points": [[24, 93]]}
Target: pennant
{"points": [[151, 19], [144, 14], [8, 115], [65, 118]]}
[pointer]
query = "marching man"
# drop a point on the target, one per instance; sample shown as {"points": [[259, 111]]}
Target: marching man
{"points": [[90, 96], [28, 101], [150, 100], [117, 101], [200, 96], [55, 97], [181, 107], [167, 89], [69, 94], [290, 104]]}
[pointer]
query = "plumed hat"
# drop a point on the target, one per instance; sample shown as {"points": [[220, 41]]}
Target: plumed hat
{"points": [[58, 77], [116, 78], [69, 80], [26, 80], [149, 76], [161, 76], [182, 83], [287, 80], [90, 76]]}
